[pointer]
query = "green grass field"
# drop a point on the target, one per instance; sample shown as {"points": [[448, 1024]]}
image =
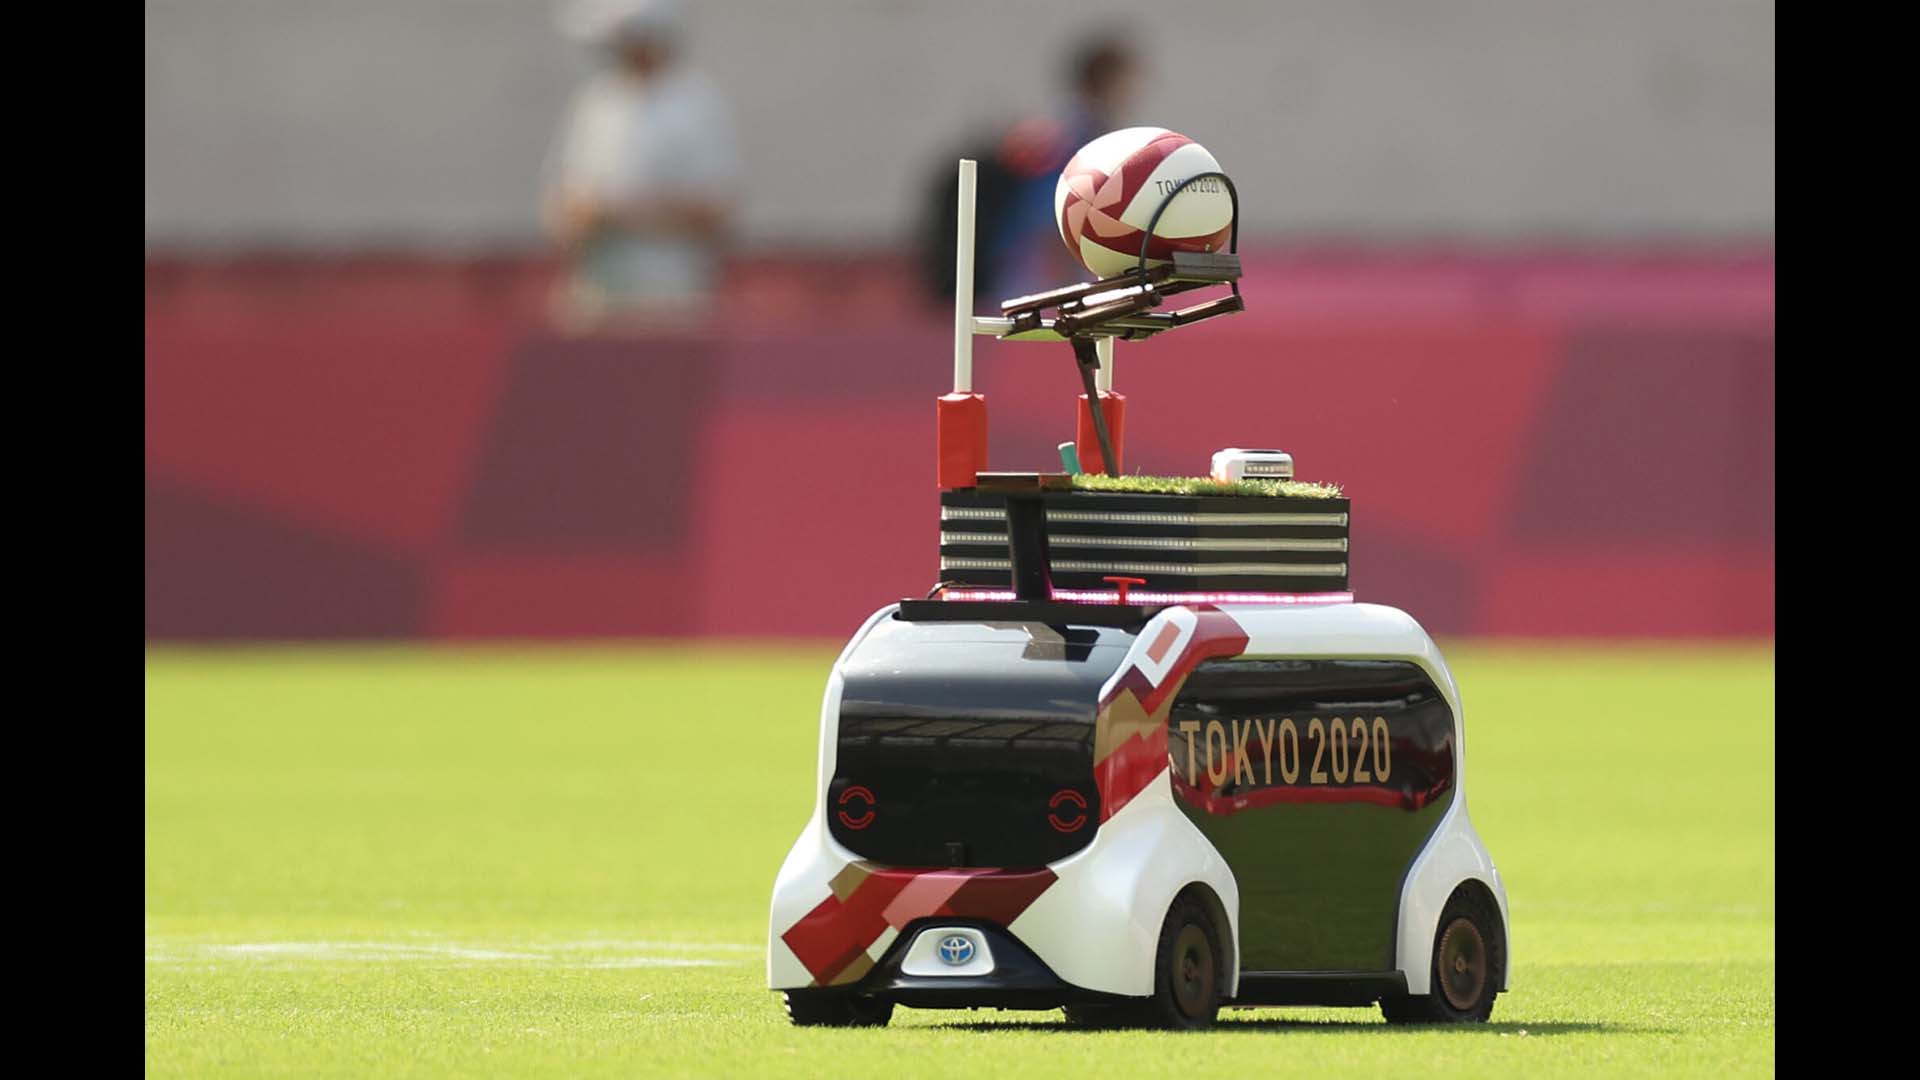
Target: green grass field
{"points": [[557, 863]]}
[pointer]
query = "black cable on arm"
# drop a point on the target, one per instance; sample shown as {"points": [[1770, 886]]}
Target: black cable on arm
{"points": [[1233, 239], [1087, 358]]}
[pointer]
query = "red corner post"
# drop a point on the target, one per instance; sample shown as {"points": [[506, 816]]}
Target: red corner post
{"points": [[1087, 443], [960, 436]]}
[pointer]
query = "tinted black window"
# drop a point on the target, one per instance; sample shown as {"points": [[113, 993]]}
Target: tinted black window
{"points": [[970, 744]]}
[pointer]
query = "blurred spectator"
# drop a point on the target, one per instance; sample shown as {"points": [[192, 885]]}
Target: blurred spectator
{"points": [[640, 185], [1028, 256], [1018, 239]]}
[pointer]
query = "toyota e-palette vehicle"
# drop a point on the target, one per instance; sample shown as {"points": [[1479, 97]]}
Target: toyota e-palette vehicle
{"points": [[1230, 786], [1222, 804]]}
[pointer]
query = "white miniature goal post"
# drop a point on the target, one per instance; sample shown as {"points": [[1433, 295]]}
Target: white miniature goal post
{"points": [[965, 323]]}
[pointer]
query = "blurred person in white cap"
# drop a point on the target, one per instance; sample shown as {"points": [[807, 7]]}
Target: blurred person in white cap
{"points": [[640, 184]]}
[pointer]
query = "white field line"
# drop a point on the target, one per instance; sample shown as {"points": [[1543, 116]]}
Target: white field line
{"points": [[662, 946], [571, 954]]}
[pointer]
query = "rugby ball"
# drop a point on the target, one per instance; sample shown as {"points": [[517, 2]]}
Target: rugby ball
{"points": [[1109, 191]]}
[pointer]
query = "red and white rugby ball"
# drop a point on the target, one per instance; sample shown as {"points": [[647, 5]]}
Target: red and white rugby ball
{"points": [[1107, 194]]}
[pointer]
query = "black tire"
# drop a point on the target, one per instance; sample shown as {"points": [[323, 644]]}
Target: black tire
{"points": [[831, 1008], [1189, 972], [1469, 965]]}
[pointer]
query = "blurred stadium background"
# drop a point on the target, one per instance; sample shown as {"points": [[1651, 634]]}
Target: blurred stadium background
{"points": [[1511, 280]]}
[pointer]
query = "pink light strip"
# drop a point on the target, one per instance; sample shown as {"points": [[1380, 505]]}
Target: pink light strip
{"points": [[1143, 596]]}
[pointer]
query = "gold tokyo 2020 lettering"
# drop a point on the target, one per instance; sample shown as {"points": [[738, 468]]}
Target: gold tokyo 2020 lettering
{"points": [[1337, 750]]}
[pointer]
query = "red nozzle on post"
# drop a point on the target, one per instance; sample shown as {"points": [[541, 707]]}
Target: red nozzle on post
{"points": [[1121, 584], [960, 437], [1087, 442]]}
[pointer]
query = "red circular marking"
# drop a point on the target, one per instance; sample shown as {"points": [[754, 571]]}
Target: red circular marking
{"points": [[1067, 824], [861, 820]]}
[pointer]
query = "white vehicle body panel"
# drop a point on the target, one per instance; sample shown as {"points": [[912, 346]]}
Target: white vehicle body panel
{"points": [[1097, 927]]}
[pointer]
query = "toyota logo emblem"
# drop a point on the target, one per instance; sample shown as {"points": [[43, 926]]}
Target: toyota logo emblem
{"points": [[956, 950]]}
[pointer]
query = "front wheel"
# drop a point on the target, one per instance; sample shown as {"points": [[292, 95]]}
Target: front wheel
{"points": [[827, 1008], [1187, 971], [1469, 964]]}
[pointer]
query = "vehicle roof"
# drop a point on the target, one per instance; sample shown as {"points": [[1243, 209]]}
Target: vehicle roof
{"points": [[1353, 630], [1305, 629], [1349, 630], [1329, 628]]}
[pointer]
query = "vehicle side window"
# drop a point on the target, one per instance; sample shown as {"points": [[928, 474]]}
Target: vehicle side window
{"points": [[1316, 730], [1318, 781]]}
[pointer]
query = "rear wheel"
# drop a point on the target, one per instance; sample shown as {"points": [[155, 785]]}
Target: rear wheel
{"points": [[1469, 964], [829, 1008]]}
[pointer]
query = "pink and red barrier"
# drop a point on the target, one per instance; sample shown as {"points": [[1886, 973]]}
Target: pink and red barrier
{"points": [[395, 448]]}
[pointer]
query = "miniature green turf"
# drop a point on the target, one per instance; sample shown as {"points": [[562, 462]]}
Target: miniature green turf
{"points": [[1203, 485], [550, 863]]}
